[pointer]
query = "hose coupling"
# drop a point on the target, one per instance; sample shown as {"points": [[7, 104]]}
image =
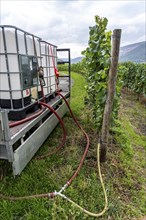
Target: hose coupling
{"points": [[51, 195]]}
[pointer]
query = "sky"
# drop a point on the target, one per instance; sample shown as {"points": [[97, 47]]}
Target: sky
{"points": [[66, 23]]}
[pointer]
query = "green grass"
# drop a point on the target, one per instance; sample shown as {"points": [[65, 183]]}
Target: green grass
{"points": [[123, 172], [131, 159], [78, 94]]}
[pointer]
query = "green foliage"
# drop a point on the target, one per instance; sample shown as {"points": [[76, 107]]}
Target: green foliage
{"points": [[75, 67], [134, 76], [97, 59], [62, 67], [79, 67]]}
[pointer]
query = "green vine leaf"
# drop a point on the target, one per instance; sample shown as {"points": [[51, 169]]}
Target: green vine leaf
{"points": [[97, 61]]}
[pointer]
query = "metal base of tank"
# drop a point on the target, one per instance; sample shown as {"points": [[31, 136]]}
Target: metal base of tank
{"points": [[19, 144]]}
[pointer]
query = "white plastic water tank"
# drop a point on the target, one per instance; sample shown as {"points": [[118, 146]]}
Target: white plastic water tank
{"points": [[13, 44], [20, 55]]}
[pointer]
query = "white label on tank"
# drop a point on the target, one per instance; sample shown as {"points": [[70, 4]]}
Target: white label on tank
{"points": [[26, 93]]}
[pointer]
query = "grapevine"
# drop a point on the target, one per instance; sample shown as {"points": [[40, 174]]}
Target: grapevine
{"points": [[134, 77], [97, 59]]}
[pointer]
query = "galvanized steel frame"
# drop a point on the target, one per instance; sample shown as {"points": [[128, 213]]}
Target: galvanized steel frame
{"points": [[22, 155]]}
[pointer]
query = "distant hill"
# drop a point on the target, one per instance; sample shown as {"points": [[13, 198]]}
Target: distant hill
{"points": [[133, 52], [76, 60], [73, 60]]}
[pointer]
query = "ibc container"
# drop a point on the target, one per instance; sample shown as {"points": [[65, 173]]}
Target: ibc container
{"points": [[21, 53], [19, 60]]}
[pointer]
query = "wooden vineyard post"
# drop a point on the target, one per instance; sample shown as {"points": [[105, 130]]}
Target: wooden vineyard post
{"points": [[110, 93]]}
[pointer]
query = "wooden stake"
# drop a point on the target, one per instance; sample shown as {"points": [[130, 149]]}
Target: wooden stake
{"points": [[110, 94]]}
